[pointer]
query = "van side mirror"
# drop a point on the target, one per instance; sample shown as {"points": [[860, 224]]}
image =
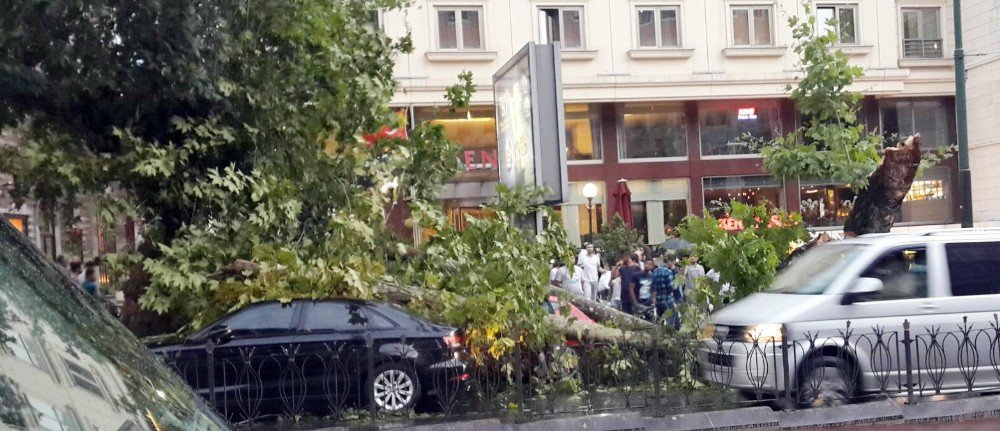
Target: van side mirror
{"points": [[864, 287], [220, 334]]}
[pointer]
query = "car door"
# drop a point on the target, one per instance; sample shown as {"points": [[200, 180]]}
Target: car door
{"points": [[971, 330], [254, 361], [332, 352], [912, 290]]}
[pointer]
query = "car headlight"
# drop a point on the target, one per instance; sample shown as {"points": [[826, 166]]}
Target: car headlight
{"points": [[764, 333], [707, 332]]}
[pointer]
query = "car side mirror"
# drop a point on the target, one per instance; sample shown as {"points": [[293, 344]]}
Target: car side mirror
{"points": [[220, 334], [864, 287]]}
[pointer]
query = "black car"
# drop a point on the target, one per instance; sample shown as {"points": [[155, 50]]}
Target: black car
{"points": [[316, 357], [66, 364]]}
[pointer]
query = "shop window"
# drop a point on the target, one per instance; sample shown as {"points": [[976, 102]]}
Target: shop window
{"points": [[922, 33], [474, 130], [19, 222], [752, 26], [639, 221], [460, 28], [457, 215], [724, 127], [845, 17], [825, 203], [752, 190], [561, 24], [652, 130], [583, 132], [673, 213], [904, 117], [658, 27], [929, 198]]}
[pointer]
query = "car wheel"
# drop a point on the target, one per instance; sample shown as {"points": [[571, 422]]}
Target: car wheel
{"points": [[825, 382], [393, 388]]}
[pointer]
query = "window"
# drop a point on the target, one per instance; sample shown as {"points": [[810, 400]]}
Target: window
{"points": [[846, 28], [652, 130], [723, 127], [83, 378], [903, 274], [752, 26], [590, 221], [375, 19], [460, 28], [474, 130], [658, 27], [904, 117], [673, 213], [583, 132], [639, 221], [266, 317], [52, 418], [752, 190], [968, 268], [922, 33], [824, 203], [334, 316], [564, 25]]}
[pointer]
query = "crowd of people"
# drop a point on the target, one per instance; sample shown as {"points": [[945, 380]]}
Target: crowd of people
{"points": [[636, 283], [85, 274]]}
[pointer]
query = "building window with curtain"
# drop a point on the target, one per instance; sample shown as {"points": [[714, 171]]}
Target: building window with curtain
{"points": [[929, 117], [922, 32], [845, 17], [658, 27], [561, 24], [752, 26], [652, 130], [583, 132], [723, 126], [459, 29], [721, 192]]}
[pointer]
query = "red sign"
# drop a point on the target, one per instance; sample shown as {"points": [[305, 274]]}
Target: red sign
{"points": [[479, 160], [732, 224]]}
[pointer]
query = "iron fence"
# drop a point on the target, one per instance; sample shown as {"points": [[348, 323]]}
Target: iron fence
{"points": [[345, 382]]}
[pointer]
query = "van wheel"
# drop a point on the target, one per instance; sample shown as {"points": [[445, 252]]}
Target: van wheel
{"points": [[825, 382], [393, 388]]}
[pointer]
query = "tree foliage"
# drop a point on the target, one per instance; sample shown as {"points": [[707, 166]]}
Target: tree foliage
{"points": [[748, 259], [831, 144], [617, 238]]}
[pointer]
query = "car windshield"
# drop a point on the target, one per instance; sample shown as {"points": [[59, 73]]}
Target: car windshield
{"points": [[812, 273], [67, 365]]}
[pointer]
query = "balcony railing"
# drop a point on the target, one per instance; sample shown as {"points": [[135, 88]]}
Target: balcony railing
{"points": [[922, 48]]}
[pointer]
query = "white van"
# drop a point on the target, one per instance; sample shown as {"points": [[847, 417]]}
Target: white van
{"points": [[832, 323]]}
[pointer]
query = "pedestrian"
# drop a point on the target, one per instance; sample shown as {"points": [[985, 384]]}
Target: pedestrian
{"points": [[575, 283], [678, 288], [645, 282], [616, 286], [590, 263], [662, 280], [90, 283], [692, 272], [561, 277], [630, 275]]}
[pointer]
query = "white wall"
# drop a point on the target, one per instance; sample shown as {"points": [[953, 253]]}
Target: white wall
{"points": [[982, 47], [605, 71]]}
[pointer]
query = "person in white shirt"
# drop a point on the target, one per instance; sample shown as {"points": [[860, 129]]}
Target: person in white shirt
{"points": [[590, 262], [616, 288], [692, 271], [574, 283], [604, 286]]}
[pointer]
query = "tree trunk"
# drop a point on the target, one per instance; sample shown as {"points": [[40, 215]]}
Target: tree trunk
{"points": [[601, 312], [876, 206]]}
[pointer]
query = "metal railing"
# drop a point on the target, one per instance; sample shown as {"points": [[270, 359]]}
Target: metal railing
{"points": [[332, 382], [922, 48]]}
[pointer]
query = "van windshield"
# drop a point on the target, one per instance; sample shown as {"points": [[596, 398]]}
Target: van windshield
{"points": [[812, 273]]}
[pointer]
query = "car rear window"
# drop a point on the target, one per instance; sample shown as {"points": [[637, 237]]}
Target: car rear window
{"points": [[971, 268]]}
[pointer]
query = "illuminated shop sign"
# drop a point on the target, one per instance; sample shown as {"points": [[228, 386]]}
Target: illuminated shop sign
{"points": [[746, 114], [733, 224]]}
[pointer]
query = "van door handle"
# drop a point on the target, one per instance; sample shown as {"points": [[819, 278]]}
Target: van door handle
{"points": [[929, 306]]}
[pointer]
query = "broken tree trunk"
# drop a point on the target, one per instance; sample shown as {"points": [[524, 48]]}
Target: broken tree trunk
{"points": [[876, 206], [601, 312]]}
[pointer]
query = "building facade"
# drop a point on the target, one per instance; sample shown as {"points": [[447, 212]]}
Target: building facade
{"points": [[659, 93], [982, 48]]}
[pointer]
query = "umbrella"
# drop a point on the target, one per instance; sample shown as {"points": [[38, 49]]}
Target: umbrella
{"points": [[623, 202], [676, 244]]}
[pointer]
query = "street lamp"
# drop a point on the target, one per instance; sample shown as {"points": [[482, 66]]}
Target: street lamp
{"points": [[590, 192]]}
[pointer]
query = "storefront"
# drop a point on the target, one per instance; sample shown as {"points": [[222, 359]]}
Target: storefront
{"points": [[721, 192]]}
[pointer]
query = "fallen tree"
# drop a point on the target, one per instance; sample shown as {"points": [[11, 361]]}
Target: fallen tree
{"points": [[876, 206]]}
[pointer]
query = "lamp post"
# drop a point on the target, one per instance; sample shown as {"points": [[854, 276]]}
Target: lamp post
{"points": [[964, 176], [590, 192]]}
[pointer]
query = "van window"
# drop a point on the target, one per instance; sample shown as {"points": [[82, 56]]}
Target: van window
{"points": [[903, 273], [971, 266]]}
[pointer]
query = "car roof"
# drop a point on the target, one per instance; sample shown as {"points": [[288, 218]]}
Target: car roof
{"points": [[931, 236]]}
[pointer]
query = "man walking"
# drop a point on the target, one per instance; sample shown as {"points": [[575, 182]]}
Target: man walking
{"points": [[630, 275], [692, 272], [665, 293], [590, 262]]}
